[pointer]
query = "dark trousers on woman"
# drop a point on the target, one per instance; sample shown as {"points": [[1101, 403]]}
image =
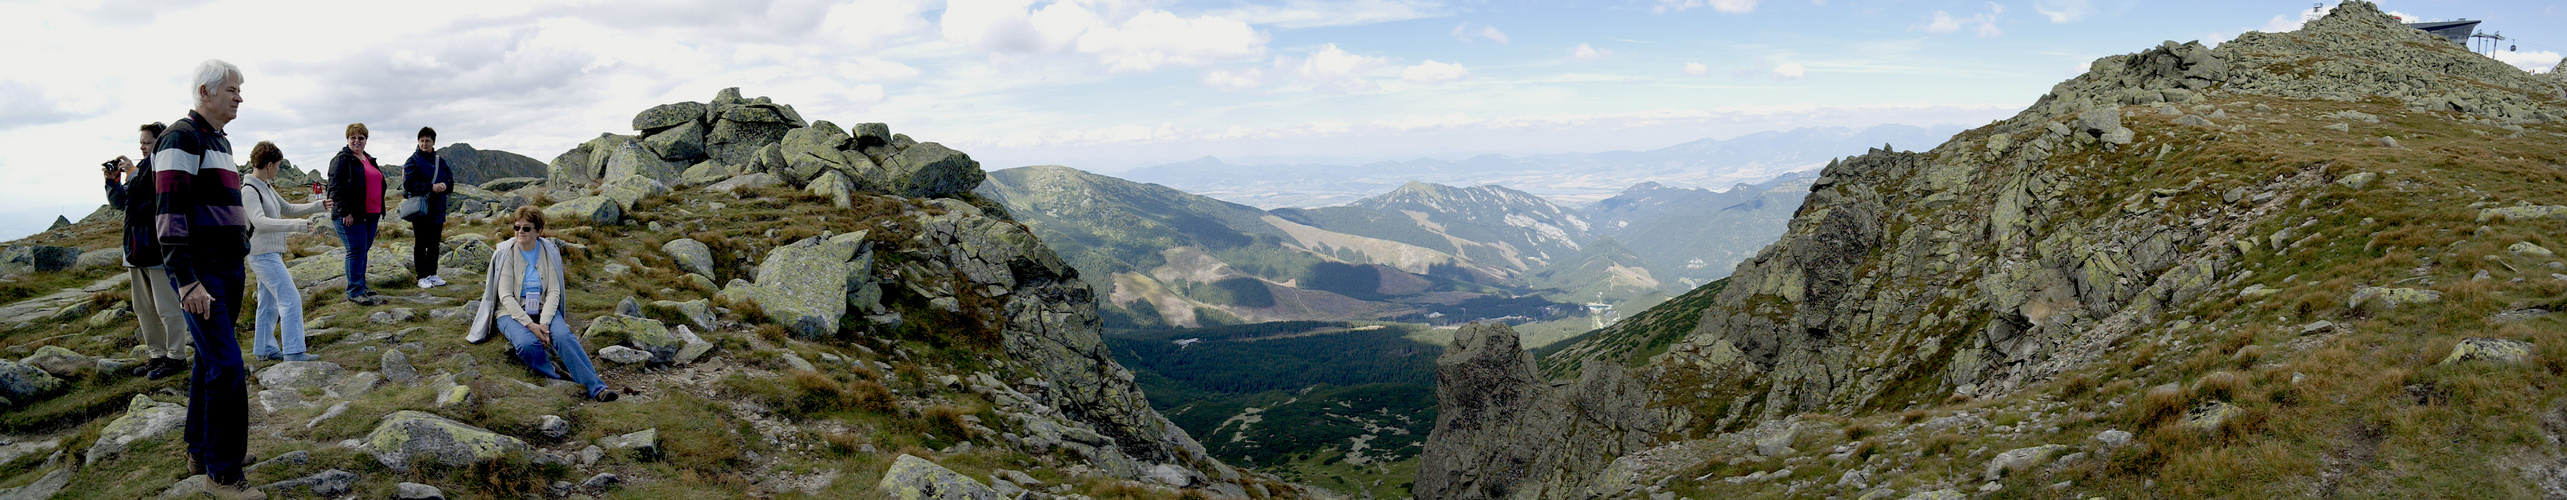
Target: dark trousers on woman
{"points": [[218, 410], [431, 232], [358, 239]]}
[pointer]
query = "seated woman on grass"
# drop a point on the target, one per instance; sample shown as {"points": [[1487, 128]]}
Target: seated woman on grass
{"points": [[525, 280]]}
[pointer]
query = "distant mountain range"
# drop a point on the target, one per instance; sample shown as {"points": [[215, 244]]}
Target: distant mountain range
{"points": [[1563, 178], [1420, 253]]}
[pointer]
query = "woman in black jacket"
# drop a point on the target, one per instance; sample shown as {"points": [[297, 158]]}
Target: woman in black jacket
{"points": [[357, 196]]}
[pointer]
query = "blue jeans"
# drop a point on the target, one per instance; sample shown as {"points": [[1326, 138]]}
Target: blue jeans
{"points": [[358, 241], [565, 346], [280, 308], [218, 396]]}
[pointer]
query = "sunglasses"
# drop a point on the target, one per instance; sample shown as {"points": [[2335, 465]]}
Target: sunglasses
{"points": [[525, 228], [359, 137]]}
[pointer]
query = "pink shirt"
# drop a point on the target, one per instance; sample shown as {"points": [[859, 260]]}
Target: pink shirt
{"points": [[373, 185]]}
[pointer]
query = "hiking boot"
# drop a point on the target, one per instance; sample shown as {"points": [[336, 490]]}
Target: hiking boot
{"points": [[168, 367]]}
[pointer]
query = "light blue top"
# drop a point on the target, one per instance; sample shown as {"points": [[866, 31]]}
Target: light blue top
{"points": [[534, 282]]}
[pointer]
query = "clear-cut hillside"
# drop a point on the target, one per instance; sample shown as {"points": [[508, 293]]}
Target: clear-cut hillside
{"points": [[2314, 263]]}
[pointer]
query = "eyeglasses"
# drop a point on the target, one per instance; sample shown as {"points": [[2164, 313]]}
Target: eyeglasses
{"points": [[525, 228]]}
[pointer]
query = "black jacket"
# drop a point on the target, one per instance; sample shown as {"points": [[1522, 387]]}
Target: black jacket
{"points": [[135, 197], [424, 170], [347, 192]]}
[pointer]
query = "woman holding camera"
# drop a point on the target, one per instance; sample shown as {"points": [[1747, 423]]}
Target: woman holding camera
{"points": [[280, 306]]}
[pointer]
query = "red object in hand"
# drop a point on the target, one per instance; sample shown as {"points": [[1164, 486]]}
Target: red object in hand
{"points": [[316, 188]]}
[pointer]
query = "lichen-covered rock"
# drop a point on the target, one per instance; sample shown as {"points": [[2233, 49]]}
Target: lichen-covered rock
{"points": [[631, 158], [624, 355], [669, 115], [630, 189], [691, 256], [416, 491], [645, 443], [747, 181], [22, 259], [144, 420], [300, 375], [328, 483], [643, 334], [927, 170], [2372, 296], [56, 360], [2358, 180], [2527, 249], [2487, 350], [2524, 212], [913, 478], [408, 437], [26, 383], [682, 143], [803, 285], [2019, 459], [597, 210]]}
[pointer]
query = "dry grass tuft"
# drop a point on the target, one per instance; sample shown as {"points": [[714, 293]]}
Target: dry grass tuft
{"points": [[2162, 404]]}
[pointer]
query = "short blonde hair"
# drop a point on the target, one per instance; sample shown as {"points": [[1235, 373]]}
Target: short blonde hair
{"points": [[357, 129]]}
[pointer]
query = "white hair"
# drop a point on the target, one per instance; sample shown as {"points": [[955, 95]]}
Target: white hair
{"points": [[210, 77]]}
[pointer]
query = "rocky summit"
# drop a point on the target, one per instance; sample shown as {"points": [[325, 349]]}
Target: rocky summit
{"points": [[2278, 267], [786, 308]]}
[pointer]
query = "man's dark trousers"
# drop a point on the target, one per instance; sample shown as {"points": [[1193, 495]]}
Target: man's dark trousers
{"points": [[218, 410]]}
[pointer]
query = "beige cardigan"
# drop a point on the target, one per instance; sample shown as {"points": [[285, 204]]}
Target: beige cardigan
{"points": [[270, 216], [499, 293]]}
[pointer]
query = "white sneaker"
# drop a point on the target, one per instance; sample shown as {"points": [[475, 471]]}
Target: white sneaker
{"points": [[424, 283], [439, 280]]}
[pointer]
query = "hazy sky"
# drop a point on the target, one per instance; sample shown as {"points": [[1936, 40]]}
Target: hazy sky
{"points": [[1102, 85]]}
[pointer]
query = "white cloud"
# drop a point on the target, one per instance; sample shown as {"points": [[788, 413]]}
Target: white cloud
{"points": [[2064, 11], [1317, 13], [1431, 72], [1228, 80], [1728, 6], [2537, 62], [1697, 69], [1789, 71], [1588, 52], [1334, 69], [1141, 41], [1982, 24], [1464, 33]]}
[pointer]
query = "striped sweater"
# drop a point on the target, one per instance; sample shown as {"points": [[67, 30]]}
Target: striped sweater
{"points": [[200, 220]]}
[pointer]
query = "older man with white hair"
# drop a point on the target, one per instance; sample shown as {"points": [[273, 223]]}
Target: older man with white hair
{"points": [[204, 238]]}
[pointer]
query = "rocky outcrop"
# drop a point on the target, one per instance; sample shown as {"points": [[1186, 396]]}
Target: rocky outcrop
{"points": [[23, 259], [1503, 432], [2018, 251], [477, 166], [144, 420]]}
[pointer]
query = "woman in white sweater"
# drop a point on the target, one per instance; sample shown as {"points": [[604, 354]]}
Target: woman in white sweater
{"points": [[280, 306]]}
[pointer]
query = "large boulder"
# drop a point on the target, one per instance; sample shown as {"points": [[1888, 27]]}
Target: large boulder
{"points": [[868, 135], [631, 158], [23, 383], [630, 189], [474, 166], [834, 185], [670, 115], [803, 285], [642, 333], [300, 375], [682, 143], [57, 360], [811, 151], [913, 478], [691, 256], [930, 170], [22, 259], [581, 167], [144, 420], [410, 437], [597, 210]]}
